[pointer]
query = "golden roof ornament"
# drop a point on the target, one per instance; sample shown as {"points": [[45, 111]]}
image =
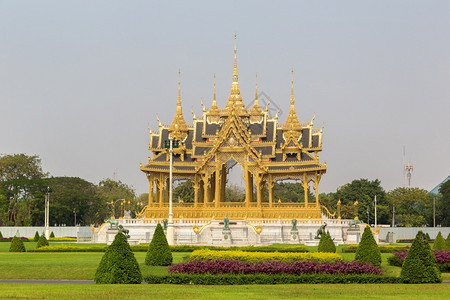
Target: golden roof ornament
{"points": [[292, 123], [235, 98], [214, 108], [178, 129], [256, 110]]}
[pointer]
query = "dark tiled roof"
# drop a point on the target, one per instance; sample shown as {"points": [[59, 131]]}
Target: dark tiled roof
{"points": [[305, 157], [211, 129], [305, 137], [164, 137], [198, 132], [295, 167], [188, 141], [200, 150], [257, 129], [279, 138], [315, 141], [269, 132], [264, 150], [155, 140]]}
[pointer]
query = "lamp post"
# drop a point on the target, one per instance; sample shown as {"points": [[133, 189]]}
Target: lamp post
{"points": [[170, 230], [75, 213], [113, 204], [375, 204], [48, 190]]}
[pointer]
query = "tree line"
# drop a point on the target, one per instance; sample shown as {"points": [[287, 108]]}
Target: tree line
{"points": [[23, 185]]}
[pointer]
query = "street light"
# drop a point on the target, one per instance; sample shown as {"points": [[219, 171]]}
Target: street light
{"points": [[48, 190], [170, 230], [113, 204], [75, 213]]}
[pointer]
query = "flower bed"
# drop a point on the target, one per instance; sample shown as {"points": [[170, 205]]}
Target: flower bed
{"points": [[24, 239], [273, 267], [383, 248], [263, 256], [442, 258], [409, 241]]}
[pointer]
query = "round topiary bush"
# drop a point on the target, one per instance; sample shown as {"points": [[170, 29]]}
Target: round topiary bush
{"points": [[439, 242], [158, 253], [447, 243], [36, 237], [420, 265], [368, 250], [17, 245], [42, 242], [118, 264], [326, 243]]}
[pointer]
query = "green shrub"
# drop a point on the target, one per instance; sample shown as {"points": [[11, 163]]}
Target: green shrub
{"points": [[326, 243], [368, 250], [395, 261], [159, 253], [36, 236], [17, 245], [383, 248], [1, 235], [420, 263], [52, 235], [427, 236], [118, 264], [447, 243], [439, 242], [236, 279], [42, 242]]}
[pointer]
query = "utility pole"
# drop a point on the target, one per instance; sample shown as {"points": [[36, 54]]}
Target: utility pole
{"points": [[393, 214], [48, 190], [375, 202], [75, 213], [368, 220], [434, 211], [170, 229]]}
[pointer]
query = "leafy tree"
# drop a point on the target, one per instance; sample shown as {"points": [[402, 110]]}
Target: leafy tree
{"points": [[184, 191], [447, 243], [36, 237], [363, 191], [42, 242], [439, 242], [109, 191], [118, 264], [443, 205], [420, 265], [413, 206], [368, 250], [234, 193], [71, 193], [159, 253], [20, 188], [291, 192], [17, 245], [326, 243]]}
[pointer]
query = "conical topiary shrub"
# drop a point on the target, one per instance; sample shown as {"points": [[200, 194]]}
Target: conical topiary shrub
{"points": [[36, 237], [1, 235], [159, 253], [42, 242], [17, 245], [368, 250], [52, 235], [419, 265], [447, 243], [118, 264], [427, 236], [326, 243], [439, 242]]}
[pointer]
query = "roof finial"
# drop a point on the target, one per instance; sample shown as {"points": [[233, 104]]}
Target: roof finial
{"points": [[179, 87], [256, 87], [235, 75], [292, 86], [214, 96]]}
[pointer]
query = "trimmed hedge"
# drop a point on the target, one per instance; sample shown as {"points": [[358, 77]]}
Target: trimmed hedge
{"points": [[409, 241], [326, 243], [420, 264], [442, 259], [368, 250], [17, 245], [118, 264], [439, 242], [238, 279], [383, 248], [42, 242], [36, 237], [5, 240], [158, 253], [264, 256], [273, 267], [447, 243]]}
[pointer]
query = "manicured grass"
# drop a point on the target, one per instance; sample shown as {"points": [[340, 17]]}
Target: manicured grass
{"points": [[144, 291], [72, 265]]}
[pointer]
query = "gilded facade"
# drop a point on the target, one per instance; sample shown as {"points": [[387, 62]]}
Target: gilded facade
{"points": [[267, 149]]}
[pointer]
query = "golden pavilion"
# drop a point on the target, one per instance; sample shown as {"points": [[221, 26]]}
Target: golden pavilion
{"points": [[267, 149]]}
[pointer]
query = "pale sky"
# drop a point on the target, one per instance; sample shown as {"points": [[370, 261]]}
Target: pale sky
{"points": [[80, 81]]}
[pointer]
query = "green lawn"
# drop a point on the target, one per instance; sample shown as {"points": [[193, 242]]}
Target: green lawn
{"points": [[144, 291]]}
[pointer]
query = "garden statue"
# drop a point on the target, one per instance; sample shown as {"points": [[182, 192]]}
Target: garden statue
{"points": [[124, 231], [226, 224], [294, 225], [321, 231], [165, 222], [355, 223], [112, 224]]}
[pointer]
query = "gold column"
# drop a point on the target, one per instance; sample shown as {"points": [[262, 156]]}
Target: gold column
{"points": [[223, 183], [248, 186], [161, 192], [250, 175], [167, 190], [270, 185], [305, 188], [196, 187], [217, 184], [316, 188], [206, 190], [258, 190], [150, 191]]}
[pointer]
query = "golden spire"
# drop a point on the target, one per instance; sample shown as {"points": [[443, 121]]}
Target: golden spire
{"points": [[235, 99], [178, 128], [214, 108], [292, 122], [256, 109]]}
